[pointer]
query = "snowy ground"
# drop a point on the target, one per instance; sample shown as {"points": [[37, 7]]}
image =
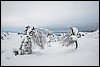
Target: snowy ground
{"points": [[87, 53]]}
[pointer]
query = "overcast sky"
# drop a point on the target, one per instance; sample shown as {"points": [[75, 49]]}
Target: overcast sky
{"points": [[51, 14]]}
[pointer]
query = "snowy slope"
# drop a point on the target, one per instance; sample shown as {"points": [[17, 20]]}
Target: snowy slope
{"points": [[87, 53]]}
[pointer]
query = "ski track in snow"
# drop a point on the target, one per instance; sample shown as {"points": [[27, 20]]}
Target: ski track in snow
{"points": [[87, 53]]}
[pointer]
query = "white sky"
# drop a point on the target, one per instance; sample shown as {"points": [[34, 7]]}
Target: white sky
{"points": [[48, 13]]}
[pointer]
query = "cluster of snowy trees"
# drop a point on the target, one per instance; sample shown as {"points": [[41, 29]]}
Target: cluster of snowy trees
{"points": [[33, 37]]}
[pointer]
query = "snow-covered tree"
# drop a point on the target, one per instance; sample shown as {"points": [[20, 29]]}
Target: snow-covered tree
{"points": [[36, 35], [4, 35], [51, 38], [26, 46], [71, 38]]}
